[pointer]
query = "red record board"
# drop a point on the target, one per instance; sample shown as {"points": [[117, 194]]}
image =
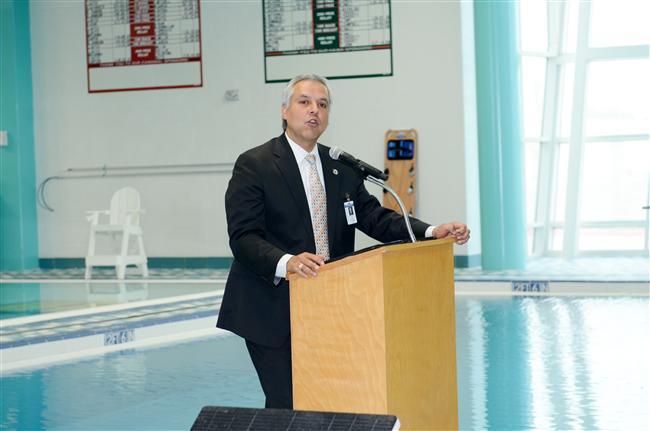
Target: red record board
{"points": [[143, 44]]}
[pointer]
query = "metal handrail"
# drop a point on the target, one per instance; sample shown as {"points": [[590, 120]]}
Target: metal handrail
{"points": [[130, 171]]}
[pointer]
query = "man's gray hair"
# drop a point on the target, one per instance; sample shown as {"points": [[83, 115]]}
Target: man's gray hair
{"points": [[288, 90]]}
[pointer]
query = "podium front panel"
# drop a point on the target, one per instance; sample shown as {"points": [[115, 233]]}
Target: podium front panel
{"points": [[420, 337], [338, 340], [375, 333]]}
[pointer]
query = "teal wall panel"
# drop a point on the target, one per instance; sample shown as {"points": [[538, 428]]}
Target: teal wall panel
{"points": [[501, 158], [18, 224]]}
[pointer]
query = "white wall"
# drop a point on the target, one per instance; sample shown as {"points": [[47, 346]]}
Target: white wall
{"points": [[185, 215]]}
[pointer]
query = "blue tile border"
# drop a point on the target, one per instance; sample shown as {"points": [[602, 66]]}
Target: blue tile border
{"points": [[212, 262], [94, 323], [107, 273], [597, 270], [109, 329], [559, 279]]}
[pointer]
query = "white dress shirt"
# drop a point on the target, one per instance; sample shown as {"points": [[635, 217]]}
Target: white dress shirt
{"points": [[303, 165]]}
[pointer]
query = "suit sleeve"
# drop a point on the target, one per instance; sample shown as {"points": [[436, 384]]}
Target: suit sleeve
{"points": [[245, 215], [381, 223]]}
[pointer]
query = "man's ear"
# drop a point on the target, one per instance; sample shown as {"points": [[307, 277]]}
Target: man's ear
{"points": [[283, 110]]}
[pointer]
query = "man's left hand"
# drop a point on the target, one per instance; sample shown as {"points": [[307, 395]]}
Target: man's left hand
{"points": [[455, 229]]}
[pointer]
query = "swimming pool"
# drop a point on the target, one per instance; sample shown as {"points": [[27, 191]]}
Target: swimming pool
{"points": [[39, 298], [523, 362]]}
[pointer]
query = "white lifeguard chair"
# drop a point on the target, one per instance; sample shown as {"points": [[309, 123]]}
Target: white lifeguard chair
{"points": [[123, 218]]}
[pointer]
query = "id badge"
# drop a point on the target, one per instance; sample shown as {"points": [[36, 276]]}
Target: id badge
{"points": [[350, 213]]}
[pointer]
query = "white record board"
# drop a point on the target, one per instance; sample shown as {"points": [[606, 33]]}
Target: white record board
{"points": [[143, 44], [334, 38]]}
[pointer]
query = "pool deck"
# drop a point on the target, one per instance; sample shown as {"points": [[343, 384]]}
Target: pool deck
{"points": [[591, 269]]}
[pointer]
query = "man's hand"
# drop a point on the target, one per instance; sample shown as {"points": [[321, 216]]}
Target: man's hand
{"points": [[456, 229], [305, 264]]}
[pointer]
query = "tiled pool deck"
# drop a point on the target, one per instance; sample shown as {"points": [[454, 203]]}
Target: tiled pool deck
{"points": [[595, 269]]}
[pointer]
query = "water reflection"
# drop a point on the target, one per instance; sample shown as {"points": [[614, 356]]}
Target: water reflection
{"points": [[472, 394], [553, 363], [523, 363], [19, 299], [115, 293], [161, 388], [536, 357], [26, 299]]}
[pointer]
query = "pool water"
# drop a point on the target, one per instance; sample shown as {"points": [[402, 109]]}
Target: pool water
{"points": [[523, 363], [29, 299]]}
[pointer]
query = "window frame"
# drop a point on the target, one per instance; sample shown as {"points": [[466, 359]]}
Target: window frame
{"points": [[543, 224]]}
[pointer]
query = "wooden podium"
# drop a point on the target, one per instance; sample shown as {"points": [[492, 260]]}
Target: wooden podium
{"points": [[375, 333]]}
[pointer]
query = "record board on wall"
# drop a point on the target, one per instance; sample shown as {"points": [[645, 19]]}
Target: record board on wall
{"points": [[143, 44], [334, 38]]}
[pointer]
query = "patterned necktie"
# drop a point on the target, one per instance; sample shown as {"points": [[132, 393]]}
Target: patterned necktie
{"points": [[318, 208]]}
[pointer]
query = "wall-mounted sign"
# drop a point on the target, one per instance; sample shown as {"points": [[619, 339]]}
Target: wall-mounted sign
{"points": [[143, 44], [334, 38]]}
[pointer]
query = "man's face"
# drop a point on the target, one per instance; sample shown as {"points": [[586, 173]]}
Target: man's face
{"points": [[307, 114]]}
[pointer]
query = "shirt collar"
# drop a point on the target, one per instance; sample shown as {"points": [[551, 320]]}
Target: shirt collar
{"points": [[299, 152]]}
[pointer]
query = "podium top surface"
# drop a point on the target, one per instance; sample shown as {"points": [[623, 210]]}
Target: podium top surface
{"points": [[380, 249]]}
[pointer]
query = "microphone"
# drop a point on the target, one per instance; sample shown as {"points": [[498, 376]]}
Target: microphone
{"points": [[358, 165]]}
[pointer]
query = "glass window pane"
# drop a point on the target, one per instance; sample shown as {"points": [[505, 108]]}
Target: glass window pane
{"points": [[559, 201], [620, 238], [533, 76], [565, 107], [531, 176], [571, 26], [618, 98], [530, 235], [615, 181], [557, 239], [616, 23], [533, 25]]}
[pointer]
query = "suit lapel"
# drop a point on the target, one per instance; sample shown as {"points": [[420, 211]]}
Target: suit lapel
{"points": [[332, 187], [286, 163]]}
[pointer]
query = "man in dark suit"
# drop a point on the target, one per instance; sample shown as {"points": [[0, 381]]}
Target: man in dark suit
{"points": [[285, 211]]}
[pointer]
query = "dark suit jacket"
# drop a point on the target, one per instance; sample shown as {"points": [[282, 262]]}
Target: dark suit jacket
{"points": [[268, 216]]}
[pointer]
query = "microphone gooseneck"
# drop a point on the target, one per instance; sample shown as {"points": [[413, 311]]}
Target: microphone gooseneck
{"points": [[375, 176]]}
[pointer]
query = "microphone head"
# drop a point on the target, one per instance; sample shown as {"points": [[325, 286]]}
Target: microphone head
{"points": [[335, 152]]}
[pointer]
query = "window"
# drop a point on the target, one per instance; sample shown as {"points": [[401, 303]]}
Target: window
{"points": [[586, 106]]}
